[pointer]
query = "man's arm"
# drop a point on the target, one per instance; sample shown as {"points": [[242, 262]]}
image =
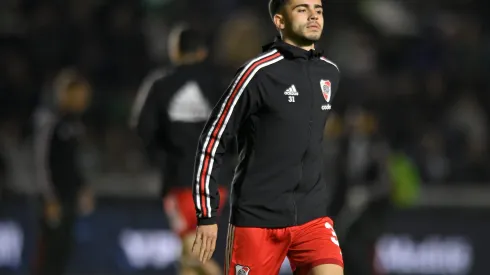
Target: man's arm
{"points": [[146, 111], [43, 137], [239, 100], [142, 97]]}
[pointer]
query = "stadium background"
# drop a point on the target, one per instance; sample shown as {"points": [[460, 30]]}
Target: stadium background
{"points": [[414, 80]]}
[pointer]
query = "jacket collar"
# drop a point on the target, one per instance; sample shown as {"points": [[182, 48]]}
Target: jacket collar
{"points": [[290, 51]]}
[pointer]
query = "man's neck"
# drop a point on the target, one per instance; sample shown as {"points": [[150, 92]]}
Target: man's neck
{"points": [[186, 61], [307, 47], [189, 59]]}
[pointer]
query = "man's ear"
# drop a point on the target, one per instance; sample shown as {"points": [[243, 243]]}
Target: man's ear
{"points": [[279, 21]]}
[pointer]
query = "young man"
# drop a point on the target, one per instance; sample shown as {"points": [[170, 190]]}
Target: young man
{"points": [[57, 136], [277, 108], [169, 113]]}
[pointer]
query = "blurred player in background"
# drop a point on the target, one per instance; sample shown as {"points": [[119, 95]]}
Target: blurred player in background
{"points": [[169, 114], [58, 132], [276, 107]]}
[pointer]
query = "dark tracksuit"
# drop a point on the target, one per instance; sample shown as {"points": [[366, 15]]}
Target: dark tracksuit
{"points": [[59, 176], [169, 114], [276, 108]]}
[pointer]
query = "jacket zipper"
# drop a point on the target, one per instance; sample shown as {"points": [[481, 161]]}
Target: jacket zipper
{"points": [[295, 209], [294, 191], [311, 109], [307, 145]]}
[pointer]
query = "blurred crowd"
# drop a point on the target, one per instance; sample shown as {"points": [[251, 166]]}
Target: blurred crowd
{"points": [[413, 75]]}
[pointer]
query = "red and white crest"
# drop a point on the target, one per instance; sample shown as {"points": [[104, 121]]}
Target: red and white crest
{"points": [[241, 270], [326, 86]]}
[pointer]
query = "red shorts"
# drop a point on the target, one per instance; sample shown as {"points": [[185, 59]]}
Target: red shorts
{"points": [[261, 251], [180, 210]]}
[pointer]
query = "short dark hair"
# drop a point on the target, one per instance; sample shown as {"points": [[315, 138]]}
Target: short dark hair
{"points": [[275, 6], [191, 40]]}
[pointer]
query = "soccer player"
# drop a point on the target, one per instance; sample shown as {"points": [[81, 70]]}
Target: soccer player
{"points": [[64, 192], [276, 107], [169, 114]]}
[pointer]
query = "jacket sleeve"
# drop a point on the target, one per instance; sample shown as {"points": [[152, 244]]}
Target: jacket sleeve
{"points": [[43, 141], [239, 101], [146, 114]]}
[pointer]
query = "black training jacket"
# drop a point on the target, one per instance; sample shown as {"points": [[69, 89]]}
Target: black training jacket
{"points": [[169, 114], [57, 157], [276, 107]]}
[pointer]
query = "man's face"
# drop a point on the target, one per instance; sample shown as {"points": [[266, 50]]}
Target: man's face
{"points": [[302, 19], [75, 99]]}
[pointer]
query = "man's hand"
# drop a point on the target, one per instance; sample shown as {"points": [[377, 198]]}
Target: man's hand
{"points": [[52, 212], [86, 201], [205, 242]]}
